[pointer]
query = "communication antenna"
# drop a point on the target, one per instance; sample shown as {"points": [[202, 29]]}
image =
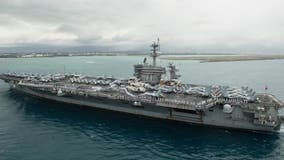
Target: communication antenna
{"points": [[158, 42], [155, 48]]}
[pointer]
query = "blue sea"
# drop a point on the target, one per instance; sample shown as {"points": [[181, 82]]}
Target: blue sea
{"points": [[33, 129]]}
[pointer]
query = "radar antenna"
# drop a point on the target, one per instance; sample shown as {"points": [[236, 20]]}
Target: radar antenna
{"points": [[155, 48], [173, 71]]}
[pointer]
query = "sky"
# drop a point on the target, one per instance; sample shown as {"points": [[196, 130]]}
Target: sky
{"points": [[199, 26]]}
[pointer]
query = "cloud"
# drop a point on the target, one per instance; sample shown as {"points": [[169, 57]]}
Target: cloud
{"points": [[182, 25]]}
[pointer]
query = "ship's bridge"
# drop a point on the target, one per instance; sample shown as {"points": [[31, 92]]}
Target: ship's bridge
{"points": [[149, 73]]}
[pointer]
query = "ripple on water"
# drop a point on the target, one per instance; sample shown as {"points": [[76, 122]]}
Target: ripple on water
{"points": [[34, 129]]}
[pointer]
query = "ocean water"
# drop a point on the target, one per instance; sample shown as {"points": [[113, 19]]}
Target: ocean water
{"points": [[33, 129]]}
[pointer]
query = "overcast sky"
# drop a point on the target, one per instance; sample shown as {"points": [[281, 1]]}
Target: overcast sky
{"points": [[235, 26]]}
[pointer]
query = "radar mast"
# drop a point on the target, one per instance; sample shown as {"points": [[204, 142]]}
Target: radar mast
{"points": [[155, 48]]}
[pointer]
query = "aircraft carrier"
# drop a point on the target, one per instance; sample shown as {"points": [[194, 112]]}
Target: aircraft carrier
{"points": [[149, 94]]}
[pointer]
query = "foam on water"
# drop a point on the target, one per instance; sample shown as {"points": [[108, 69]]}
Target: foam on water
{"points": [[90, 62], [281, 129]]}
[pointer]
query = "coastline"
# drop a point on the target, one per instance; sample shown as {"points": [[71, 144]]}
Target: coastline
{"points": [[224, 58], [202, 58]]}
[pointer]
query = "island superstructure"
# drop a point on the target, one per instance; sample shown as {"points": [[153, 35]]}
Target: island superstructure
{"points": [[150, 94]]}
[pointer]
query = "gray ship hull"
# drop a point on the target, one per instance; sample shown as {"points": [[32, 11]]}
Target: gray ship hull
{"points": [[213, 117]]}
